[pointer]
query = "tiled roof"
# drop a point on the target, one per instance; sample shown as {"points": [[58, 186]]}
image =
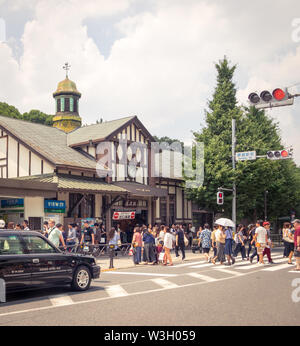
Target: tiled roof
{"points": [[96, 132], [66, 182], [48, 141]]}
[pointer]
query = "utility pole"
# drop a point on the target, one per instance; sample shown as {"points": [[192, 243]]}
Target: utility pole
{"points": [[233, 167]]}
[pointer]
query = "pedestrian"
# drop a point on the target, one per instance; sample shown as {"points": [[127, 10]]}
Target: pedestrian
{"points": [[240, 242], [162, 233], [10, 225], [213, 240], [190, 235], [267, 250], [179, 242], [88, 236], [220, 243], [25, 225], [2, 224], [228, 246], [251, 233], [72, 236], [137, 245], [168, 244], [296, 224], [290, 244], [55, 234], [285, 238], [45, 228], [113, 237], [205, 241], [149, 243], [18, 227], [198, 236], [261, 239]]}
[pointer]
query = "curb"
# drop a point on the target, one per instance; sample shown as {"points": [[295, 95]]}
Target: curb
{"points": [[144, 265]]}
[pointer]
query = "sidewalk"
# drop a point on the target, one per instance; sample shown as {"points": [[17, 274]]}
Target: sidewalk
{"points": [[126, 262]]}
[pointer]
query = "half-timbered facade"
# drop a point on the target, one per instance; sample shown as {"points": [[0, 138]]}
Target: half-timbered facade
{"points": [[97, 170]]}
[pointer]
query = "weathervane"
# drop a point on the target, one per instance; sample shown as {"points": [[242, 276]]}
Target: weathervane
{"points": [[67, 68]]}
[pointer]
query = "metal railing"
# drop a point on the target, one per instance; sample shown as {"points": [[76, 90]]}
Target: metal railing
{"points": [[97, 250]]}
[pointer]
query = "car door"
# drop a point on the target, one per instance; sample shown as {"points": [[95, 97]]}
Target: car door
{"points": [[15, 266], [49, 265]]}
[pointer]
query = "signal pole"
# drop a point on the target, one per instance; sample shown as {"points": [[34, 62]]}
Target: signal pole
{"points": [[233, 166]]}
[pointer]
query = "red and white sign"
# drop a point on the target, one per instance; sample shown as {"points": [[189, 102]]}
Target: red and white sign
{"points": [[124, 215]]}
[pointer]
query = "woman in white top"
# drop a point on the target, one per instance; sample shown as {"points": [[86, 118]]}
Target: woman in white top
{"points": [[168, 244]]}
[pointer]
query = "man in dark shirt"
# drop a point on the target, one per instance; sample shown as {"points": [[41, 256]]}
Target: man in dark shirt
{"points": [[88, 235], [180, 242]]}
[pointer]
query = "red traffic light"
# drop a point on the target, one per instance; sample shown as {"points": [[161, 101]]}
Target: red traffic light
{"points": [[284, 153], [279, 94]]}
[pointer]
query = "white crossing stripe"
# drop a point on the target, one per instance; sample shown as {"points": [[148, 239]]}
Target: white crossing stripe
{"points": [[254, 264], [187, 264], [61, 300], [164, 283], [202, 277], [224, 270], [142, 274], [203, 265], [294, 271], [279, 267], [116, 291]]}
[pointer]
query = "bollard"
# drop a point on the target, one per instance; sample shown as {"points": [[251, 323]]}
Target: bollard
{"points": [[111, 256], [2, 291]]}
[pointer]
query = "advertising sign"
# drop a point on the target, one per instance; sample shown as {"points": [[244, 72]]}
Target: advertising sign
{"points": [[51, 206], [124, 215]]}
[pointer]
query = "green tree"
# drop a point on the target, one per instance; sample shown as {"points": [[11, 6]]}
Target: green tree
{"points": [[34, 116], [255, 131], [9, 111]]}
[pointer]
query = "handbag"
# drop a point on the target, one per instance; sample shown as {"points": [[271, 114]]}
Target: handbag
{"points": [[161, 256], [186, 242], [257, 245]]}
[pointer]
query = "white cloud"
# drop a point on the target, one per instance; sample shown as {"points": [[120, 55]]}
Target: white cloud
{"points": [[162, 69]]}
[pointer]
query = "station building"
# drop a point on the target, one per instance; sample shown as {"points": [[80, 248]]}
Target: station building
{"points": [[71, 172]]}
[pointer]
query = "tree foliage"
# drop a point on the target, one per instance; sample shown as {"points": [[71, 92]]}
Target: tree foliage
{"points": [[34, 115], [254, 131]]}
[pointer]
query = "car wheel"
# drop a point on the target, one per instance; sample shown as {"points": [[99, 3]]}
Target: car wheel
{"points": [[81, 279]]}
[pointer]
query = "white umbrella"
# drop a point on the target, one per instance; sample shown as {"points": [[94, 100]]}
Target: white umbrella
{"points": [[225, 222]]}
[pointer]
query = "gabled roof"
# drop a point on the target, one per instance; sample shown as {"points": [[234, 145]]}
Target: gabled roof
{"points": [[48, 141], [96, 132]]}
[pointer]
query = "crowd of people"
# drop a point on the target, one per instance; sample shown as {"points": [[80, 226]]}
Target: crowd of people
{"points": [[220, 244], [153, 245]]}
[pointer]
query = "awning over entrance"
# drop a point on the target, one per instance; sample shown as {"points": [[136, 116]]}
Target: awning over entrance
{"points": [[78, 184], [141, 190], [21, 188]]}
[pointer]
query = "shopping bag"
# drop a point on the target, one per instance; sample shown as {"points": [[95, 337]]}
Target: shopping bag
{"points": [[161, 256], [130, 252]]}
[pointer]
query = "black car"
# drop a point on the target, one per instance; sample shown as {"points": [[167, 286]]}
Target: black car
{"points": [[29, 260]]}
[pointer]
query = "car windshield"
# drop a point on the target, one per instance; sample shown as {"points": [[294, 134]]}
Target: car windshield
{"points": [[37, 244]]}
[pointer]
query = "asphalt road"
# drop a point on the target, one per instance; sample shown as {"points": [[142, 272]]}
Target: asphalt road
{"points": [[187, 294]]}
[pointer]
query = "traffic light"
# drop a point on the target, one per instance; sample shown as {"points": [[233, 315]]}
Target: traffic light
{"points": [[220, 198], [266, 99], [280, 154]]}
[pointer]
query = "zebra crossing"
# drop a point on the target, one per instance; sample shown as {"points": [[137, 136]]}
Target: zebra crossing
{"points": [[112, 284]]}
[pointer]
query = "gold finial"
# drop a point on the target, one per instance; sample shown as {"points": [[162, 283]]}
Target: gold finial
{"points": [[67, 68]]}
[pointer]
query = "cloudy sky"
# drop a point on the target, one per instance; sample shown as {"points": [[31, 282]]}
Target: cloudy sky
{"points": [[150, 58]]}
